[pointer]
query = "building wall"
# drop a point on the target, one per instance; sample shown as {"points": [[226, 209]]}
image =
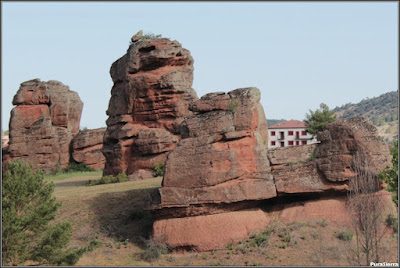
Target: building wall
{"points": [[289, 140]]}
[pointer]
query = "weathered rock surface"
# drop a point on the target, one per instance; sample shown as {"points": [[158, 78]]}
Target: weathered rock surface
{"points": [[87, 148], [345, 139], [222, 157], [43, 124], [204, 233], [151, 95], [203, 182]]}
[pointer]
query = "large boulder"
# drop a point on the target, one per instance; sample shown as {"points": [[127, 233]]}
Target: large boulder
{"points": [[222, 157], [87, 148], [150, 96], [43, 123], [344, 140]]}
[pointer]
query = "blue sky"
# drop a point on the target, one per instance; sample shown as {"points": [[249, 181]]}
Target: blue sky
{"points": [[298, 54]]}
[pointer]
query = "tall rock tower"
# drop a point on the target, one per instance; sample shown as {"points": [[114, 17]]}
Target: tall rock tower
{"points": [[43, 123], [150, 97]]}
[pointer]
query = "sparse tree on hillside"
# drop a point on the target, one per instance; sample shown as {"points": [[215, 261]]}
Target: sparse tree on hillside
{"points": [[317, 120], [27, 208]]}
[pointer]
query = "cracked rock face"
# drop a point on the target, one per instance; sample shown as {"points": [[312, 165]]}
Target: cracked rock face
{"points": [[150, 96], [43, 123]]}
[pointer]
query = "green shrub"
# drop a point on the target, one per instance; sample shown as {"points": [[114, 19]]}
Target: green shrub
{"points": [[285, 236], [345, 235], [108, 179], [77, 167], [150, 36], [158, 169], [282, 246], [314, 155], [259, 239], [391, 221]]}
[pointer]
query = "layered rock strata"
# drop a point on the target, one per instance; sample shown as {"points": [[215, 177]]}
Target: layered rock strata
{"points": [[87, 148], [43, 123], [221, 160], [221, 157], [150, 97], [204, 179]]}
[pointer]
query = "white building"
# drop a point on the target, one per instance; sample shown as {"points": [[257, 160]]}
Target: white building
{"points": [[289, 133]]}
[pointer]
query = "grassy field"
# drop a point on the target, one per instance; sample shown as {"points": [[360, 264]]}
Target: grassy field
{"points": [[115, 217]]}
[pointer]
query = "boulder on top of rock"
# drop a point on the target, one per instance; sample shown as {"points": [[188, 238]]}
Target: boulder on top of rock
{"points": [[43, 124], [150, 96]]}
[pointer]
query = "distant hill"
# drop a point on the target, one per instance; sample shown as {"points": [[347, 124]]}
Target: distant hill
{"points": [[382, 111], [272, 122]]}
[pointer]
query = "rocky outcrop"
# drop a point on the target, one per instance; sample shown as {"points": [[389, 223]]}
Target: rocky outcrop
{"points": [[345, 139], [203, 181], [87, 148], [150, 97], [43, 124], [221, 158], [218, 172]]}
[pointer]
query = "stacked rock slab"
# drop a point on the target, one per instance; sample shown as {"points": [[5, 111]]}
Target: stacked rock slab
{"points": [[221, 159], [216, 176], [87, 148], [43, 124], [150, 96]]}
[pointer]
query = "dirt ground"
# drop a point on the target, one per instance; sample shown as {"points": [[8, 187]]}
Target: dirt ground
{"points": [[114, 216]]}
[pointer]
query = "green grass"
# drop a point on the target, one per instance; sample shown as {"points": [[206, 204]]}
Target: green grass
{"points": [[71, 175]]}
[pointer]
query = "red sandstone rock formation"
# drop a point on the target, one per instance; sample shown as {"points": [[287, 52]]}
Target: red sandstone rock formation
{"points": [[342, 140], [222, 156], [151, 95], [87, 148], [42, 125], [204, 179]]}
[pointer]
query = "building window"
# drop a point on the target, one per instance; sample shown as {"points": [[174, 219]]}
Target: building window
{"points": [[282, 144], [272, 133], [290, 142], [297, 142], [273, 143], [303, 142], [303, 133], [290, 133]]}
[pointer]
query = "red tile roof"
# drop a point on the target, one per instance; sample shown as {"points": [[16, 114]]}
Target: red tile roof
{"points": [[289, 124]]}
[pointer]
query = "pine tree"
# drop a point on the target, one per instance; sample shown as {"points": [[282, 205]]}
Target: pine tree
{"points": [[317, 121], [27, 209]]}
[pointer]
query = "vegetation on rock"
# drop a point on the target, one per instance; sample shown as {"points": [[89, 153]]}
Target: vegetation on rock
{"points": [[317, 120], [159, 169]]}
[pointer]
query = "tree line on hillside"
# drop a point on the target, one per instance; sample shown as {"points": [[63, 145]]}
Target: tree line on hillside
{"points": [[379, 110]]}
